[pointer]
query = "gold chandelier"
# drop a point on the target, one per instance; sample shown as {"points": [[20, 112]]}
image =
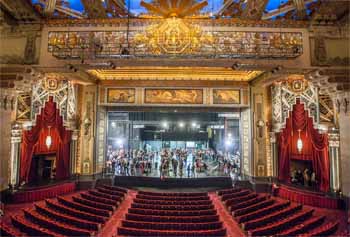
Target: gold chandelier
{"points": [[173, 35]]}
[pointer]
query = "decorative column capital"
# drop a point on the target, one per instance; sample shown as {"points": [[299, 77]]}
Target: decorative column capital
{"points": [[75, 135], [334, 137], [273, 138]]}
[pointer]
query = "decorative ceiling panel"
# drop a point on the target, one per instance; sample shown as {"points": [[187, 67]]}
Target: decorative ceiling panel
{"points": [[175, 73]]}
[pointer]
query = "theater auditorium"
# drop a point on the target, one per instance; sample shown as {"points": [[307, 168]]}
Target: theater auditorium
{"points": [[175, 118]]}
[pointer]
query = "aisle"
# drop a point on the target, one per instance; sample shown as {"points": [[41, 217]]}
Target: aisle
{"points": [[231, 226], [110, 228]]}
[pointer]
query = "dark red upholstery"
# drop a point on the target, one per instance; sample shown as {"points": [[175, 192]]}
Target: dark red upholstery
{"points": [[178, 219], [93, 203], [84, 224], [82, 207], [172, 214], [266, 216], [43, 193], [74, 212], [99, 199], [54, 225], [166, 233], [228, 191]]}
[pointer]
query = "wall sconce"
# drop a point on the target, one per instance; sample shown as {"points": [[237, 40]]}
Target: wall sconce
{"points": [[299, 143], [87, 124], [48, 140]]}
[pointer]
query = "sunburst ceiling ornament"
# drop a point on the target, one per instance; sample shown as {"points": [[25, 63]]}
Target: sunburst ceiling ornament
{"points": [[174, 8]]}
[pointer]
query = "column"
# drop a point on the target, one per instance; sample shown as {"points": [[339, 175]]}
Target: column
{"points": [[274, 155], [73, 152], [334, 159], [16, 139]]}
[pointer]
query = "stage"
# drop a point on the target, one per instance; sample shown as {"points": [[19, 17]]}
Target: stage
{"points": [[168, 183]]}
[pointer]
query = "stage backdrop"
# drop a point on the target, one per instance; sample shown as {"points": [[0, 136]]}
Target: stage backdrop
{"points": [[33, 142], [315, 146]]}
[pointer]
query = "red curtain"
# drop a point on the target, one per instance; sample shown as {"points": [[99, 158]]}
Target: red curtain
{"points": [[33, 142], [315, 146]]}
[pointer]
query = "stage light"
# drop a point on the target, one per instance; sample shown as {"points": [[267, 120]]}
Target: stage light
{"points": [[119, 142], [194, 124], [299, 143], [228, 143], [48, 140], [229, 135], [165, 124], [181, 124], [113, 125]]}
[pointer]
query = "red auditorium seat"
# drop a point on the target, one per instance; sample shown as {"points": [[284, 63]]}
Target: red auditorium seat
{"points": [[78, 222], [54, 225], [172, 226], [172, 214], [252, 208], [175, 198], [115, 188], [243, 198], [6, 230], [74, 212], [110, 191], [178, 219], [99, 199], [94, 204], [323, 230], [228, 191], [236, 194], [274, 216], [303, 227], [262, 212], [105, 195], [248, 203], [31, 229], [172, 207], [82, 207], [168, 202], [171, 194], [273, 228], [166, 233], [266, 216]]}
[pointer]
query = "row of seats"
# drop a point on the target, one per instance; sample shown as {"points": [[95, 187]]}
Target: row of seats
{"points": [[172, 206], [172, 214], [173, 219], [262, 215], [127, 231], [171, 194], [172, 198], [167, 202], [82, 214]]}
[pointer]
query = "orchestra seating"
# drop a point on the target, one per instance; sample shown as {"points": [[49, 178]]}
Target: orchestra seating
{"points": [[172, 214], [263, 215], [81, 214]]}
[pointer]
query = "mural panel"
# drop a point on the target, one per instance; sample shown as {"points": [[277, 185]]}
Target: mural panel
{"points": [[117, 95], [173, 96], [226, 96]]}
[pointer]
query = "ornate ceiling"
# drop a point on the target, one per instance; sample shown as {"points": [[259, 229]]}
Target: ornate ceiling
{"points": [[315, 10]]}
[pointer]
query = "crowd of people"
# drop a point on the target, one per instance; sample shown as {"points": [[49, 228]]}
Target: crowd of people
{"points": [[306, 178], [171, 162]]}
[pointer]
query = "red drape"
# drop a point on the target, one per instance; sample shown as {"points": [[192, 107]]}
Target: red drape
{"points": [[315, 146], [33, 141]]}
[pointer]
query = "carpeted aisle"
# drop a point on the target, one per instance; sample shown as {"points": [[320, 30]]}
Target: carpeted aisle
{"points": [[110, 228], [231, 226]]}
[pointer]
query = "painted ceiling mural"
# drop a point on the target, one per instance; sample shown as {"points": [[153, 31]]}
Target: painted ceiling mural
{"points": [[247, 9]]}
